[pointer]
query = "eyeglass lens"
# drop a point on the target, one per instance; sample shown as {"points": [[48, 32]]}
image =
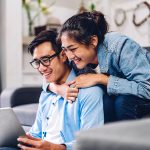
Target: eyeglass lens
{"points": [[45, 61]]}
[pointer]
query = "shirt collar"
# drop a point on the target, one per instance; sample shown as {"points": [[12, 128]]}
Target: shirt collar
{"points": [[56, 98], [103, 58], [71, 76]]}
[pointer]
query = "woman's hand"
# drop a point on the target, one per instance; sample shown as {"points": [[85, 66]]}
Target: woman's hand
{"points": [[67, 91], [87, 80]]}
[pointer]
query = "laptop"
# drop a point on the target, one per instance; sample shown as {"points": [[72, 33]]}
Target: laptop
{"points": [[10, 128]]}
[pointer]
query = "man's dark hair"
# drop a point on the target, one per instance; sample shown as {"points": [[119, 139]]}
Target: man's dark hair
{"points": [[45, 36]]}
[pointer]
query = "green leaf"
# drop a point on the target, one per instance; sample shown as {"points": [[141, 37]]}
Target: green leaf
{"points": [[39, 2], [92, 7], [23, 2]]}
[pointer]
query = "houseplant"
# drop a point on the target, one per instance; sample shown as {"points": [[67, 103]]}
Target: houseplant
{"points": [[33, 9]]}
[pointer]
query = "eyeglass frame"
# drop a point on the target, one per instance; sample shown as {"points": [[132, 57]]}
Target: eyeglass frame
{"points": [[41, 62]]}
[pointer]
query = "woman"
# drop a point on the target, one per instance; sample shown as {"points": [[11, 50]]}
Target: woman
{"points": [[124, 65]]}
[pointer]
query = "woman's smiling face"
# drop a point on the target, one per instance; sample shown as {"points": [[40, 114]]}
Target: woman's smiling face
{"points": [[81, 54]]}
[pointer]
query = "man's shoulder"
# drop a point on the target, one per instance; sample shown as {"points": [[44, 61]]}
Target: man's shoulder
{"points": [[93, 91]]}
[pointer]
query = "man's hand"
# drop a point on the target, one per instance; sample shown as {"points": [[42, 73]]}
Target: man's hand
{"points": [[30, 143]]}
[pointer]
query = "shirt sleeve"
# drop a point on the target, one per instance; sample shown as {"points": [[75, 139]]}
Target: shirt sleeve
{"points": [[36, 129], [91, 110], [91, 107], [134, 63]]}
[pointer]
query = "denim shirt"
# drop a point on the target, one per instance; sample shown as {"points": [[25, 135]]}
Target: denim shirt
{"points": [[86, 112], [128, 65]]}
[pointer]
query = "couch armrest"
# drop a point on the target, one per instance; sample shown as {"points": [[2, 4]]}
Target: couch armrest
{"points": [[123, 135], [20, 96]]}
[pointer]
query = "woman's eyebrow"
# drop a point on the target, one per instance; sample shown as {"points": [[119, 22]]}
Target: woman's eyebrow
{"points": [[68, 46]]}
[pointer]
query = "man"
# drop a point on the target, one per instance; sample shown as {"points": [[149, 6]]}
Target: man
{"points": [[57, 121]]}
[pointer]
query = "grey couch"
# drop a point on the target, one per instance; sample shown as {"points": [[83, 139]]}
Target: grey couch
{"points": [[24, 101], [125, 135]]}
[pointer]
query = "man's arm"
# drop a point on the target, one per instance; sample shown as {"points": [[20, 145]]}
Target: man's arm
{"points": [[91, 107], [36, 129]]}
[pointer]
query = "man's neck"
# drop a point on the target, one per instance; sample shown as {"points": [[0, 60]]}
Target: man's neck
{"points": [[67, 71]]}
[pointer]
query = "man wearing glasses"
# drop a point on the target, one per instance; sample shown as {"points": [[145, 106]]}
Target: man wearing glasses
{"points": [[57, 121]]}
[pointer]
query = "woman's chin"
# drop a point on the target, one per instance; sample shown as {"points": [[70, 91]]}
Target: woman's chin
{"points": [[80, 66]]}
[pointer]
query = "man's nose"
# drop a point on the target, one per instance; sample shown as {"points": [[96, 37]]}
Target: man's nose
{"points": [[42, 67]]}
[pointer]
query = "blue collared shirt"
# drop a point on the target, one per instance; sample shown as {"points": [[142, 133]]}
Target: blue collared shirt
{"points": [[86, 112], [128, 65]]}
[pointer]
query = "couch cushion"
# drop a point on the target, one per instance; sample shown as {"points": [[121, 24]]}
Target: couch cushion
{"points": [[127, 135], [26, 113]]}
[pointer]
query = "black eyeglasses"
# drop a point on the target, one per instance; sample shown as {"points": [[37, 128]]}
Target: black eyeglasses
{"points": [[45, 61]]}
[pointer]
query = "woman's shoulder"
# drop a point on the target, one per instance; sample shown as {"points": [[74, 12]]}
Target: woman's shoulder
{"points": [[110, 36], [114, 40]]}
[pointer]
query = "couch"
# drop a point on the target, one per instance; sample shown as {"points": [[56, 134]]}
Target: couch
{"points": [[24, 101], [125, 135]]}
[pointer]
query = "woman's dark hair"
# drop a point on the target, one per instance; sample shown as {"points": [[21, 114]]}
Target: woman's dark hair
{"points": [[45, 36], [82, 27]]}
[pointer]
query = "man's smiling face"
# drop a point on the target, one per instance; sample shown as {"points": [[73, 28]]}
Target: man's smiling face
{"points": [[56, 70]]}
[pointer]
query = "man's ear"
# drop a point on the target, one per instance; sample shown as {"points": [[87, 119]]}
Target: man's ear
{"points": [[63, 56], [94, 40]]}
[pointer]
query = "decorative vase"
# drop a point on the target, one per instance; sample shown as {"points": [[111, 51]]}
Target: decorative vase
{"points": [[30, 28]]}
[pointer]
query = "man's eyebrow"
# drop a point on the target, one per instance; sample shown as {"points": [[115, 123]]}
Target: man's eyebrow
{"points": [[46, 56]]}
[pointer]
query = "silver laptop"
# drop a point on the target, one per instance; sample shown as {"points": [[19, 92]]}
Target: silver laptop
{"points": [[10, 128]]}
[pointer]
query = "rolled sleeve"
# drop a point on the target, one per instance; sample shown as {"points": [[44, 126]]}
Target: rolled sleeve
{"points": [[118, 85]]}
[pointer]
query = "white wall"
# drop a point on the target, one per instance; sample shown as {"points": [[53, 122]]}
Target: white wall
{"points": [[0, 45], [11, 32], [62, 13], [140, 34], [11, 43], [63, 9]]}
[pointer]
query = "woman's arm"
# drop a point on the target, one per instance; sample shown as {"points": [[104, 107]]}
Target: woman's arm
{"points": [[66, 90], [90, 79], [134, 64]]}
